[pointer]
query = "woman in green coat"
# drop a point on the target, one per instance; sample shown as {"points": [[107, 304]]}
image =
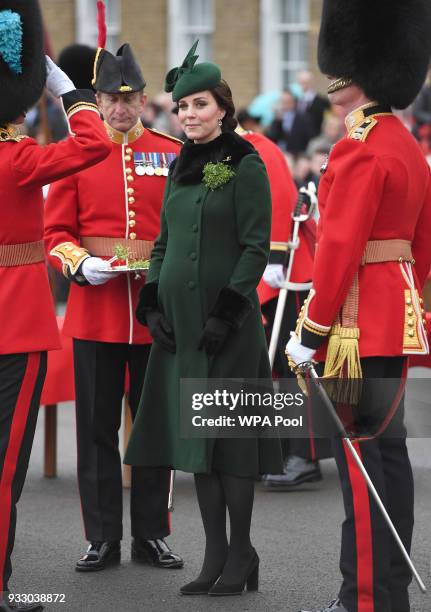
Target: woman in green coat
{"points": [[201, 307]]}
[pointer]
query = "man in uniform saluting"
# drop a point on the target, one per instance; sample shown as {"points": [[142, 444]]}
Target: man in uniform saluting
{"points": [[118, 202], [364, 314], [28, 324]]}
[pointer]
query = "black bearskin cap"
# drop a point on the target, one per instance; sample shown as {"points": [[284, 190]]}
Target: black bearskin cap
{"points": [[77, 61], [22, 59], [118, 73], [384, 46]]}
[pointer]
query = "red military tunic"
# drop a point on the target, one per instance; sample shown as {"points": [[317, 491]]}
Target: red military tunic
{"points": [[109, 200], [376, 188], [27, 313], [283, 195]]}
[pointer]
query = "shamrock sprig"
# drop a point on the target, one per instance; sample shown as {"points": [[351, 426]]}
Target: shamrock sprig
{"points": [[122, 252], [216, 175]]}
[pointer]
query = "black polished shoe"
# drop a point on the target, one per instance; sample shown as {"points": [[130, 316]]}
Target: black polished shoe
{"points": [[155, 552], [251, 580], [334, 606], [98, 556], [296, 471]]}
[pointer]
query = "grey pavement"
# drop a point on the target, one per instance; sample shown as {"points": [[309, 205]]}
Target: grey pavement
{"points": [[296, 534]]}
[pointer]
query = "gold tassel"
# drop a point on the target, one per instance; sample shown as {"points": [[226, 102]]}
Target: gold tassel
{"points": [[333, 349], [343, 363]]}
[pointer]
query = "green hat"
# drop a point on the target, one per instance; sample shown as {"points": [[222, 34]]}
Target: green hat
{"points": [[189, 78]]}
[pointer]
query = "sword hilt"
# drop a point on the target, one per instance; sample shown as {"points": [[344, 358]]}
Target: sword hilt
{"points": [[305, 204]]}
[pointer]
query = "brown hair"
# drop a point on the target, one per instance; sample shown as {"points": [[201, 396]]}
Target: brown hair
{"points": [[223, 96]]}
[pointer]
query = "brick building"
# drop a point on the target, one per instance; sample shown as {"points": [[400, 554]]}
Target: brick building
{"points": [[259, 44]]}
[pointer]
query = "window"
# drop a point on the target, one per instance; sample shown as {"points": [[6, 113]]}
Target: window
{"points": [[285, 32], [188, 21], [86, 23]]}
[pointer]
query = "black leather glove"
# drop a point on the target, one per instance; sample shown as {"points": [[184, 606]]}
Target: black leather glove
{"points": [[160, 330], [214, 335]]}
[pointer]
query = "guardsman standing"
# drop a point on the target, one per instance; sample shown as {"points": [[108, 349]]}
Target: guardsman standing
{"points": [[364, 314], [28, 324], [116, 203], [300, 455]]}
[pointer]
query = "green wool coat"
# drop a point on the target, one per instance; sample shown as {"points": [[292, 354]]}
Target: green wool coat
{"points": [[210, 241]]}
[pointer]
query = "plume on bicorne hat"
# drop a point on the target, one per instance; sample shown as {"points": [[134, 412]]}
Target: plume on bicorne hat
{"points": [[383, 46], [118, 73], [22, 60], [191, 77]]}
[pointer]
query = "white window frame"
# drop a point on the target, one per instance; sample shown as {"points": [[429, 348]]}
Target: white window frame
{"points": [[178, 44], [271, 46], [86, 29]]}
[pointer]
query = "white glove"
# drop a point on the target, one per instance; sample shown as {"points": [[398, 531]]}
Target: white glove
{"points": [[274, 275], [57, 81], [297, 351], [91, 269]]}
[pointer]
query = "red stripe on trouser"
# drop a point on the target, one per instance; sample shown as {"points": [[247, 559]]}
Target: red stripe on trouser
{"points": [[17, 430], [363, 534]]}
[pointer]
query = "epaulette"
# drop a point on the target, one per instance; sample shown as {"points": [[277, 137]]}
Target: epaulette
{"points": [[165, 135], [11, 133], [362, 131]]}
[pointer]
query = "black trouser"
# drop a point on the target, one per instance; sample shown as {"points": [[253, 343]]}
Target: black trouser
{"points": [[21, 380], [375, 575], [311, 447], [100, 369]]}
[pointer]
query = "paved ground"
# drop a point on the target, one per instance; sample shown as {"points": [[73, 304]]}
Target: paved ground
{"points": [[296, 535]]}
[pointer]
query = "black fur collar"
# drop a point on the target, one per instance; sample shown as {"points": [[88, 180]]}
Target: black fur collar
{"points": [[187, 169]]}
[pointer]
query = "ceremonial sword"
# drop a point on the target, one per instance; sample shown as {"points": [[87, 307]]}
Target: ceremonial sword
{"points": [[303, 210], [308, 368], [171, 491]]}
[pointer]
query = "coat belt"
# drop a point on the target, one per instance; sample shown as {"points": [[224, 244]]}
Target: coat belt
{"points": [[101, 246], [21, 254], [342, 356], [379, 251], [376, 251]]}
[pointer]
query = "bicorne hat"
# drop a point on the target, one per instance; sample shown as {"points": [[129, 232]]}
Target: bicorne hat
{"points": [[118, 73]]}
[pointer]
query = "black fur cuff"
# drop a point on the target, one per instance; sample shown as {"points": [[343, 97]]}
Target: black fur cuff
{"points": [[147, 301], [232, 307]]}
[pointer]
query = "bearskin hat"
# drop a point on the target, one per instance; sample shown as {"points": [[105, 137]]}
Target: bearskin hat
{"points": [[77, 61], [22, 60], [384, 46]]}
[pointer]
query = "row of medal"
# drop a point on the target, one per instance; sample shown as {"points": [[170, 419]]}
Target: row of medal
{"points": [[153, 163]]}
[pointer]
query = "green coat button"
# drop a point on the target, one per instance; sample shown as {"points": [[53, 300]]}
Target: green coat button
{"points": [[195, 227], [193, 256], [191, 284]]}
